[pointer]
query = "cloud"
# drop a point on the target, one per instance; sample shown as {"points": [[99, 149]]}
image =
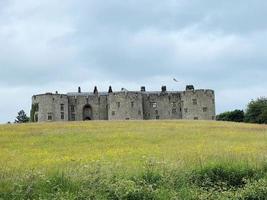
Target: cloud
{"points": [[48, 45]]}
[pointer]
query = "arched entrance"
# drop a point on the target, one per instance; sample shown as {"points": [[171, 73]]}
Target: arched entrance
{"points": [[87, 112]]}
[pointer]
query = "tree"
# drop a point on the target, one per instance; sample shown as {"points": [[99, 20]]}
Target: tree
{"points": [[234, 116], [257, 111], [22, 117]]}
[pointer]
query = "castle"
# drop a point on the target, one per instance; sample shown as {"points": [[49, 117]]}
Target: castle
{"points": [[190, 104]]}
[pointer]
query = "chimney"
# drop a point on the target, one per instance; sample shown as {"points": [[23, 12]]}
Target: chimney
{"points": [[190, 88], [110, 89], [95, 90], [79, 90], [163, 89], [143, 89]]}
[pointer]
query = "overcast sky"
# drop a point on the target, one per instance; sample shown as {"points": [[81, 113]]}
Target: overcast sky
{"points": [[49, 45]]}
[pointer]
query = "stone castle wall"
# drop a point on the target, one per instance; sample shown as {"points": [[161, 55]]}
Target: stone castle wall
{"points": [[51, 107], [198, 104], [126, 105]]}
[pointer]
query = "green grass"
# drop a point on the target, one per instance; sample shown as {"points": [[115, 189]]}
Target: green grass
{"points": [[133, 160]]}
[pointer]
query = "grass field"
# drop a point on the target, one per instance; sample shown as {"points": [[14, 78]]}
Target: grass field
{"points": [[133, 160]]}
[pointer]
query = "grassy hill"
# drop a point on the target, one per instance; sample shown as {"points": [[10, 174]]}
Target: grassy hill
{"points": [[133, 160]]}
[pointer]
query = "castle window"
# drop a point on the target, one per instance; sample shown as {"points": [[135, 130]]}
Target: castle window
{"points": [[132, 104], [118, 104], [157, 112], [73, 117], [113, 113], [173, 104], [194, 101], [62, 107], [153, 104], [157, 117], [72, 108], [139, 112], [186, 110], [49, 116], [174, 111], [62, 115], [127, 118], [205, 109], [195, 118]]}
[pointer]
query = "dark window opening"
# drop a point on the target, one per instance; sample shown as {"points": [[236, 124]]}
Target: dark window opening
{"points": [[73, 117], [62, 115], [62, 107], [174, 111], [195, 118], [194, 101], [205, 109], [157, 117], [139, 112], [157, 112], [186, 110], [118, 104], [127, 118], [72, 108], [173, 104], [113, 113], [132, 104], [49, 116]]}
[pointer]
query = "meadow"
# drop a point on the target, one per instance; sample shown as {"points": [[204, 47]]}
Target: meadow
{"points": [[133, 160]]}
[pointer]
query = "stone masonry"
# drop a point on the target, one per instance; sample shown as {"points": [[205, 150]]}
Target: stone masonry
{"points": [[190, 104]]}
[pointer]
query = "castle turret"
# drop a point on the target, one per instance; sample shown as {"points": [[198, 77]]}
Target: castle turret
{"points": [[143, 89], [110, 89], [163, 89], [95, 90]]}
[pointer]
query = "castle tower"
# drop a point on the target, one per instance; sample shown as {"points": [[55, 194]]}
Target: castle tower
{"points": [[50, 107], [198, 104]]}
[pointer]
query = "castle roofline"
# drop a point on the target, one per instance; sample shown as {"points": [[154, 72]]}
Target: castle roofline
{"points": [[121, 92], [50, 93]]}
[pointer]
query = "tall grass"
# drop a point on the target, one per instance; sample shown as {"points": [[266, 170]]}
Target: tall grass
{"points": [[133, 160]]}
